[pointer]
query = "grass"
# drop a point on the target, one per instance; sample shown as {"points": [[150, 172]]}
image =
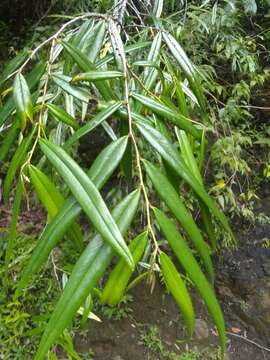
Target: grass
{"points": [[22, 320]]}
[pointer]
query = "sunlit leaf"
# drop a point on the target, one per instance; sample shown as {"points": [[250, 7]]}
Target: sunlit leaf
{"points": [[169, 195], [177, 288], [87, 271], [61, 115], [120, 275], [192, 268], [87, 196], [99, 173], [22, 99]]}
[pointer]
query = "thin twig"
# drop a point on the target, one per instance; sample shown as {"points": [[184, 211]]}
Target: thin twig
{"points": [[248, 340], [138, 163], [135, 145], [45, 89], [240, 106], [56, 35]]}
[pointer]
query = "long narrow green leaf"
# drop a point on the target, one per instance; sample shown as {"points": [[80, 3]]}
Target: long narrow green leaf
{"points": [[92, 124], [86, 65], [35, 75], [46, 191], [179, 54], [120, 275], [87, 271], [61, 115], [87, 196], [128, 49], [101, 170], [22, 99], [79, 57], [192, 268], [95, 41], [32, 79], [158, 7], [161, 109], [9, 140], [170, 154], [181, 57], [169, 195], [117, 45], [52, 200], [149, 75], [16, 161], [187, 154], [7, 110], [97, 76], [177, 288], [80, 40], [64, 83], [126, 163], [194, 168], [13, 65]]}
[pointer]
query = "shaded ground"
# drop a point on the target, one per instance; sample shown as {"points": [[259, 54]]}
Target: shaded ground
{"points": [[153, 329], [130, 338], [243, 287]]}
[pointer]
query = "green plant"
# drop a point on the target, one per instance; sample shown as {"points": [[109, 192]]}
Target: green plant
{"points": [[137, 91], [152, 341], [191, 355], [120, 311]]}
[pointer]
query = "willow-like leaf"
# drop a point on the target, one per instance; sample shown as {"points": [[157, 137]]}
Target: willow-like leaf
{"points": [[97, 76], [32, 79], [158, 7], [161, 109], [87, 271], [87, 196], [187, 66], [61, 115], [117, 45], [93, 123], [194, 168], [150, 74], [13, 65], [120, 275], [86, 65], [64, 83], [46, 191], [101, 170], [95, 42], [22, 99], [16, 161], [170, 154], [192, 268], [177, 288], [9, 140], [52, 200], [169, 195]]}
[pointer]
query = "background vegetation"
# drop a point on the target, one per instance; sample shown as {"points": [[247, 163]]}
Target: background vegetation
{"points": [[226, 91]]}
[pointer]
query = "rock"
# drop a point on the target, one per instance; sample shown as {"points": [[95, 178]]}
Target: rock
{"points": [[117, 357], [258, 312], [201, 329]]}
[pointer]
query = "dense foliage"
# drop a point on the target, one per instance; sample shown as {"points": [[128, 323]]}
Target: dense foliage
{"points": [[163, 112]]}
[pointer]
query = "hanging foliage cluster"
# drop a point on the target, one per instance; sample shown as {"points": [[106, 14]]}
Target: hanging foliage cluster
{"points": [[138, 84]]}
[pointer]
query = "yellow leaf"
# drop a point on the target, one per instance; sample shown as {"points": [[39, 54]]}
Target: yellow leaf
{"points": [[221, 184], [105, 50]]}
